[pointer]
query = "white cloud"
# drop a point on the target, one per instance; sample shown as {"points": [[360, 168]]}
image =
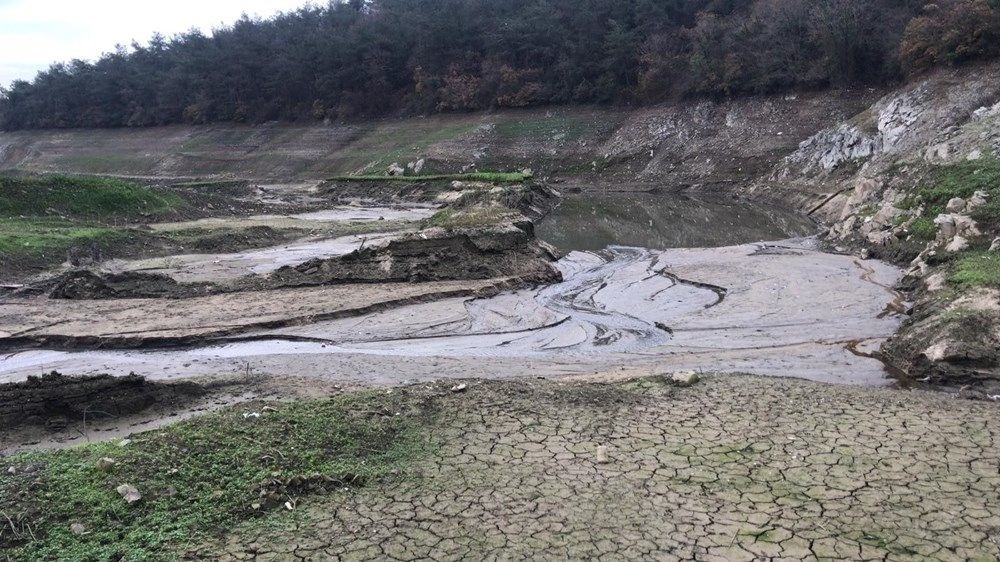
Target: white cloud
{"points": [[37, 33]]}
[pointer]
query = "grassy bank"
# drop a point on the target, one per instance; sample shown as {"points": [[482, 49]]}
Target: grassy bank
{"points": [[198, 478], [101, 199], [43, 217]]}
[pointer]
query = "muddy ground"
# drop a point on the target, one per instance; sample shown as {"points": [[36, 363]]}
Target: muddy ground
{"points": [[733, 468]]}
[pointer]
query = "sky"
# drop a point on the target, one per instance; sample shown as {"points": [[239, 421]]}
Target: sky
{"points": [[37, 33]]}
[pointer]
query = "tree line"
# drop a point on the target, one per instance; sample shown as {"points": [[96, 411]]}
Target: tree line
{"points": [[360, 58]]}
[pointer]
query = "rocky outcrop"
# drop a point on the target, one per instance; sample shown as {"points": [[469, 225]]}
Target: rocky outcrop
{"points": [[894, 182]]}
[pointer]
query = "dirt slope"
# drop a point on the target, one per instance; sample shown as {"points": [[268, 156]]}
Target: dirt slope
{"points": [[687, 143]]}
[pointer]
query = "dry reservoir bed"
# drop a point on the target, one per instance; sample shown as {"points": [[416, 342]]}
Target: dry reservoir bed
{"points": [[733, 468], [775, 309]]}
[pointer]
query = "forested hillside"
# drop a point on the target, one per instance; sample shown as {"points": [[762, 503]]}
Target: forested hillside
{"points": [[379, 57]]}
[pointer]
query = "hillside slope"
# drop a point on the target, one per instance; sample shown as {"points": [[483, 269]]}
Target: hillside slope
{"points": [[915, 179], [684, 144]]}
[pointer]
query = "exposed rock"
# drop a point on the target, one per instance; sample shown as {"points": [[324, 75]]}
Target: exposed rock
{"points": [[976, 154], [129, 493], [936, 282], [957, 244], [946, 226], [938, 152], [955, 205], [395, 169], [685, 378], [978, 199]]}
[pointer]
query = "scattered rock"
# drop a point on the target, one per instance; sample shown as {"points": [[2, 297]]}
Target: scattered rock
{"points": [[459, 388], [936, 282], [946, 225], [106, 464], [395, 169], [124, 442], [602, 455], [956, 205], [685, 378], [957, 244], [978, 199], [77, 529], [995, 246], [419, 165], [129, 493], [865, 253]]}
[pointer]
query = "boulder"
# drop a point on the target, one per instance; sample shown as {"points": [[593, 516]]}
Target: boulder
{"points": [[395, 169], [957, 244], [946, 226], [956, 205], [978, 199], [995, 246]]}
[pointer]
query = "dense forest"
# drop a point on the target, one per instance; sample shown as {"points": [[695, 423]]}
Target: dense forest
{"points": [[363, 58]]}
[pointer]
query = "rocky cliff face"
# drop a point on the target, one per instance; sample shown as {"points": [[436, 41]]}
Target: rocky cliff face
{"points": [[915, 179]]}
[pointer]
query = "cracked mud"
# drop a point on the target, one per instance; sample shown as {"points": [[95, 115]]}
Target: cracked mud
{"points": [[734, 468]]}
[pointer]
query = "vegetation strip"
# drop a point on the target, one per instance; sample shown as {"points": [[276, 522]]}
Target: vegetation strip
{"points": [[197, 478]]}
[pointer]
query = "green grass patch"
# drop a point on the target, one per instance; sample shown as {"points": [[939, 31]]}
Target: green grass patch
{"points": [[555, 128], [39, 237], [491, 177], [961, 180], [977, 269], [201, 477], [400, 142], [924, 229], [80, 197]]}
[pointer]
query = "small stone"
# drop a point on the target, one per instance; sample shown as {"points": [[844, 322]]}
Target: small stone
{"points": [[602, 454], [77, 529], [686, 378], [459, 387], [106, 464], [124, 442], [129, 493], [865, 254], [956, 205]]}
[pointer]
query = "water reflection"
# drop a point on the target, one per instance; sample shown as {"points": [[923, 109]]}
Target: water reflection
{"points": [[591, 222]]}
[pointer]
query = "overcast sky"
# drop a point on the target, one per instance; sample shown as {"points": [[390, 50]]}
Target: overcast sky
{"points": [[36, 33]]}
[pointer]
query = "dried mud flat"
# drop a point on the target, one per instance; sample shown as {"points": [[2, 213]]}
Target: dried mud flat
{"points": [[732, 468], [773, 309]]}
